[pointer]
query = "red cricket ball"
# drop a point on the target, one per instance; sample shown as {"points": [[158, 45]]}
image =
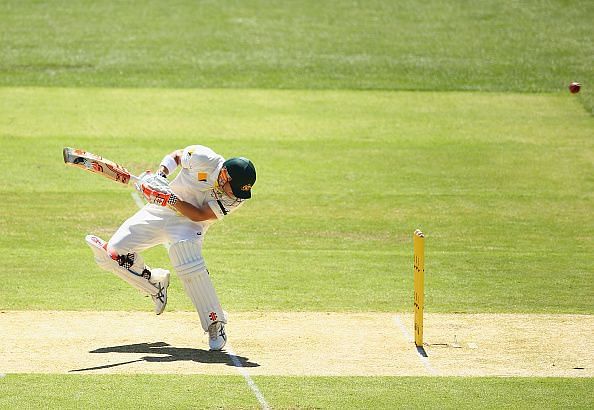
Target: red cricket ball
{"points": [[574, 87]]}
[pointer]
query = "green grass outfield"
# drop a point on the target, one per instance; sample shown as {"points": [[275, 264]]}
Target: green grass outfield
{"points": [[499, 183], [487, 176], [366, 120], [521, 46], [158, 391]]}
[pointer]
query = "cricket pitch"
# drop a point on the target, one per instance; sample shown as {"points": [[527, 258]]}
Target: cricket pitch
{"points": [[298, 344]]}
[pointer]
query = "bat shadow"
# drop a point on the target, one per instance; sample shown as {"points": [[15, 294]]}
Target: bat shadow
{"points": [[167, 353]]}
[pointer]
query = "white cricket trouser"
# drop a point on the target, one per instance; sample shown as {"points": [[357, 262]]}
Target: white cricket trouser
{"points": [[151, 226]]}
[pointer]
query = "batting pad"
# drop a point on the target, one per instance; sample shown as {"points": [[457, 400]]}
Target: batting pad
{"points": [[102, 258], [190, 267]]}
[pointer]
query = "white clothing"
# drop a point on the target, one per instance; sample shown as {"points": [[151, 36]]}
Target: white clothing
{"points": [[151, 227], [154, 224]]}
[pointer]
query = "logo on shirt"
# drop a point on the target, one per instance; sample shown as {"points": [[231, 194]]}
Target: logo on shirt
{"points": [[202, 176], [186, 158], [246, 187]]}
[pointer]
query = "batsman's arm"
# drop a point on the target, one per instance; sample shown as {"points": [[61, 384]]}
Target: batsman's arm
{"points": [[203, 213], [170, 162]]}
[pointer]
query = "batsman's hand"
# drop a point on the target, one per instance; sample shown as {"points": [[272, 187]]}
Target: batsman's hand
{"points": [[155, 189], [142, 179]]}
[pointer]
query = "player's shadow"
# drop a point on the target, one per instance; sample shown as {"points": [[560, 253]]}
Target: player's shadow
{"points": [[168, 353]]}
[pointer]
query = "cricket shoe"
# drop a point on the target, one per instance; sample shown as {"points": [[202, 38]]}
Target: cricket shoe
{"points": [[160, 279], [217, 338]]}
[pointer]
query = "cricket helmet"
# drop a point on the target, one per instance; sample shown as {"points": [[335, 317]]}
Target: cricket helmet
{"points": [[243, 176]]}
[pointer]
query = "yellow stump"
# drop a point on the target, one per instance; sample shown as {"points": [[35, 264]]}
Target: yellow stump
{"points": [[419, 280]]}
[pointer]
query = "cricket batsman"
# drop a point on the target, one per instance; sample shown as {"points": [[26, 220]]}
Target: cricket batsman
{"points": [[206, 189]]}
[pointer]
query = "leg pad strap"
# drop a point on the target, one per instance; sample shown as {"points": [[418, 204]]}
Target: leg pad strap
{"points": [[129, 274]]}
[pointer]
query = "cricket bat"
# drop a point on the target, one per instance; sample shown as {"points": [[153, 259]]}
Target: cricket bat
{"points": [[97, 165]]}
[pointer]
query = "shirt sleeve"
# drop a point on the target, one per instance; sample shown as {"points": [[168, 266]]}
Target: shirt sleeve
{"points": [[199, 157], [186, 156]]}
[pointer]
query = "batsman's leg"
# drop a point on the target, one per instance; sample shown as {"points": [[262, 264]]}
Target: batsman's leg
{"points": [[186, 258], [131, 268]]}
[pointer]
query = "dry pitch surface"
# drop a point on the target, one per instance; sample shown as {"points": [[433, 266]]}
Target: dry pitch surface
{"points": [[310, 344]]}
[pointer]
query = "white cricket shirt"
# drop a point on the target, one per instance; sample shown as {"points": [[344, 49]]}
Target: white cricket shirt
{"points": [[195, 183]]}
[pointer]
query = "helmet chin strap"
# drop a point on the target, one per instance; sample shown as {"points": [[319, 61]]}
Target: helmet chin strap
{"points": [[220, 193], [222, 196]]}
